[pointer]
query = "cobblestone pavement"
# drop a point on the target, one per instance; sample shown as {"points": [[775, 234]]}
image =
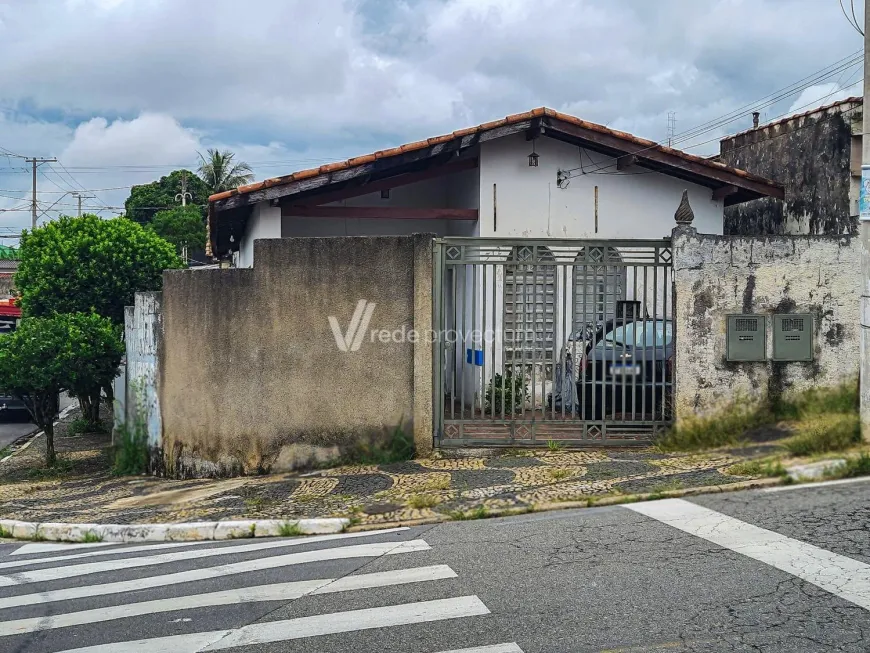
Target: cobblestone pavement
{"points": [[424, 489]]}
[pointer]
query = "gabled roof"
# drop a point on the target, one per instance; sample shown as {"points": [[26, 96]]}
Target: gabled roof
{"points": [[742, 185]]}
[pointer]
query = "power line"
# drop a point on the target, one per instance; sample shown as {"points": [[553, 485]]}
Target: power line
{"points": [[852, 21]]}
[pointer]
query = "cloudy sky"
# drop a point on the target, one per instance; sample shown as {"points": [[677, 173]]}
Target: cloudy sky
{"points": [[124, 91]]}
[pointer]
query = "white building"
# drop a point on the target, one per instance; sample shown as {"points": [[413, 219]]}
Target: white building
{"points": [[589, 182]]}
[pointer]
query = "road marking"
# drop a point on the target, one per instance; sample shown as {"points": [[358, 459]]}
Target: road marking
{"points": [[302, 627], [801, 486], [842, 576], [90, 554], [42, 547], [71, 571], [276, 592], [371, 550], [512, 647]]}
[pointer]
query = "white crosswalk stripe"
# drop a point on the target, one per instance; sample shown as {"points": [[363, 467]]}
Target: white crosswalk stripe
{"points": [[75, 577]]}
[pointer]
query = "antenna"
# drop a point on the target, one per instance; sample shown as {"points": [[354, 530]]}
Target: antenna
{"points": [[672, 126]]}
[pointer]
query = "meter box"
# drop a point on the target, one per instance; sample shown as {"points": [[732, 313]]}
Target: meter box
{"points": [[746, 338], [793, 337]]}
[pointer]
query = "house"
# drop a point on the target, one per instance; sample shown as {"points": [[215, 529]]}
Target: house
{"points": [[817, 157], [539, 174], [8, 266]]}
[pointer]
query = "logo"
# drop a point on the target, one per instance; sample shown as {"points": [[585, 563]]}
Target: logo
{"points": [[356, 330]]}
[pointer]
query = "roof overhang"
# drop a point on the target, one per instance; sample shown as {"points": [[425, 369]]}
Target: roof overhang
{"points": [[229, 211]]}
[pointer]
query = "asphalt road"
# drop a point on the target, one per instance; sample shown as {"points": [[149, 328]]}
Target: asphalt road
{"points": [[10, 431], [752, 571]]}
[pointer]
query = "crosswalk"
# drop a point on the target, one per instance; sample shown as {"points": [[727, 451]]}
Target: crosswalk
{"points": [[189, 597]]}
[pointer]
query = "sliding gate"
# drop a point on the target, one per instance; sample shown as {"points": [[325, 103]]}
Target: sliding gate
{"points": [[552, 340]]}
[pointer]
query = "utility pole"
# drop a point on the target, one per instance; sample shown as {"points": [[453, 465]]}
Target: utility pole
{"points": [[183, 195], [864, 227], [80, 198], [35, 162]]}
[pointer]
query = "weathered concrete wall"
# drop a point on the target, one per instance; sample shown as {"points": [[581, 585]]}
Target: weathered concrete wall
{"points": [[252, 376], [810, 154], [719, 275], [143, 333]]}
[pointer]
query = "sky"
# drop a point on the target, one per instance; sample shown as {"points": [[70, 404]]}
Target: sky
{"points": [[124, 91]]}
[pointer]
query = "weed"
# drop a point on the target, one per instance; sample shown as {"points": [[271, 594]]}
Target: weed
{"points": [[516, 453], [131, 450], [290, 529], [480, 512], [419, 501], [854, 466], [5, 451], [667, 486], [398, 446], [554, 445], [92, 538], [61, 467], [5, 534], [81, 425], [436, 484], [765, 468], [726, 427], [353, 520], [257, 504], [560, 474], [819, 401], [821, 433]]}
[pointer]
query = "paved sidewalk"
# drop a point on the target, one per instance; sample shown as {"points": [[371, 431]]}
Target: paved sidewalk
{"points": [[428, 489]]}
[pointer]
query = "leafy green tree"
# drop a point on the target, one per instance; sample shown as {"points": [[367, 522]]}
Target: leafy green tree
{"points": [[219, 172], [147, 200], [84, 265], [182, 226], [45, 356]]}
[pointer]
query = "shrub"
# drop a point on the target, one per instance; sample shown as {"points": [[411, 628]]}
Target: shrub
{"points": [[509, 391], [856, 466], [822, 433]]}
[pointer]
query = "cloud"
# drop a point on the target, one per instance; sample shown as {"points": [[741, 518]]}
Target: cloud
{"points": [[822, 94]]}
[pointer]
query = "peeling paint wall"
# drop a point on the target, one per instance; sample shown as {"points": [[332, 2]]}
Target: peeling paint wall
{"points": [[812, 155], [143, 330], [715, 276]]}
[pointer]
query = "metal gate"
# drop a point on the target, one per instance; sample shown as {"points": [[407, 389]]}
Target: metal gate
{"points": [[552, 340]]}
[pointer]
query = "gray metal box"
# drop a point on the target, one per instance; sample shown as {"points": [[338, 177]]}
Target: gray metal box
{"points": [[746, 338], [793, 337]]}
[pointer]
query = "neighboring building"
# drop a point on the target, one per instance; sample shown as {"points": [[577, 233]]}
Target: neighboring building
{"points": [[540, 174], [8, 266], [817, 157]]}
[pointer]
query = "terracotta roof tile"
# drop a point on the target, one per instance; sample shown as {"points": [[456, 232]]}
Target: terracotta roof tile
{"points": [[512, 119], [797, 116]]}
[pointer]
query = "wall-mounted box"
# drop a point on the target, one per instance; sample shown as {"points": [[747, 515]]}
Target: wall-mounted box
{"points": [[746, 338], [793, 337]]}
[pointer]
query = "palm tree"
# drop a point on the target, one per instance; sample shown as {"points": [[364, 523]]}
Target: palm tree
{"points": [[219, 172]]}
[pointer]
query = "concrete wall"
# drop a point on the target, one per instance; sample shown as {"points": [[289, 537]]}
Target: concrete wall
{"points": [[143, 335], [719, 275], [817, 157], [252, 377], [633, 204]]}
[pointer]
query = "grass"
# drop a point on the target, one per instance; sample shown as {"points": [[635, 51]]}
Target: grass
{"points": [[419, 501], [480, 512], [853, 467], [825, 419], [821, 433], [554, 445], [290, 529], [131, 451], [5, 534], [765, 468], [81, 425], [5, 451], [61, 467], [436, 484], [560, 474], [92, 538], [397, 447]]}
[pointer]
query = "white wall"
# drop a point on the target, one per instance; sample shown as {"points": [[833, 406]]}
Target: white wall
{"points": [[632, 204], [265, 222]]}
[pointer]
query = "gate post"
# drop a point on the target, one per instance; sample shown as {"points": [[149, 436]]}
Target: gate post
{"points": [[680, 233], [423, 327]]}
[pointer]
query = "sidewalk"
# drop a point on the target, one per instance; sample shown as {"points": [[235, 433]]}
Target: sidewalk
{"points": [[430, 489]]}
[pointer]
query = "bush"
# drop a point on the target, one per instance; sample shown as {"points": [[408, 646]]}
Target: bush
{"points": [[822, 433], [509, 391]]}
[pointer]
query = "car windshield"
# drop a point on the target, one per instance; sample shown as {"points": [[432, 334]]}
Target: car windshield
{"points": [[649, 333]]}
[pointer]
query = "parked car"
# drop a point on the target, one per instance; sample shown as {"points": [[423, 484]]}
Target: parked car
{"points": [[12, 409], [627, 369]]}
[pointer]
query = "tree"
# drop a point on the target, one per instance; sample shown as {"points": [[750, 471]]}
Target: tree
{"points": [[86, 264], [181, 226], [146, 200], [219, 172], [45, 356]]}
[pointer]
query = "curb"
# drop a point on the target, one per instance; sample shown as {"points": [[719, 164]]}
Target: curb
{"points": [[190, 532], [573, 505]]}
